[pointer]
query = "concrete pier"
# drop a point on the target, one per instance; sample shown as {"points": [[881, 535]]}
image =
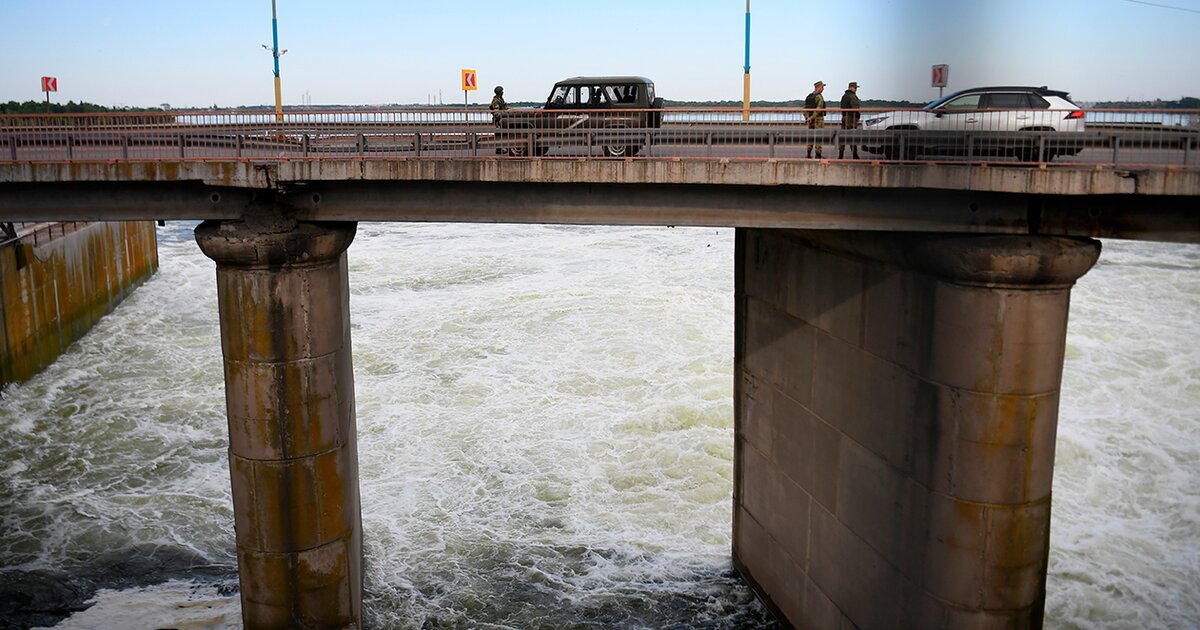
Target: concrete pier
{"points": [[285, 334], [896, 409]]}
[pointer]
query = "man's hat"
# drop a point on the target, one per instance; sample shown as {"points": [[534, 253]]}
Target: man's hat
{"points": [[853, 84], [818, 84]]}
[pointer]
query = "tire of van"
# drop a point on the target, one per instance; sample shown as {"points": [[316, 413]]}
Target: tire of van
{"points": [[618, 151]]}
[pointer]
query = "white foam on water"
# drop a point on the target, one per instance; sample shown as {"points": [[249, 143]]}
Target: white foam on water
{"points": [[176, 604], [545, 432], [1125, 535]]}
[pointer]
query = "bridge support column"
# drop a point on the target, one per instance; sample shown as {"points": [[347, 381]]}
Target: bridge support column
{"points": [[289, 391], [896, 408]]}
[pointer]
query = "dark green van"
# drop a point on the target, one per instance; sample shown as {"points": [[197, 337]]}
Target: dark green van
{"points": [[593, 103]]}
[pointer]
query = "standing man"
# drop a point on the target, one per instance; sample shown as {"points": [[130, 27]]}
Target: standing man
{"points": [[814, 112], [850, 117], [496, 107], [498, 101]]}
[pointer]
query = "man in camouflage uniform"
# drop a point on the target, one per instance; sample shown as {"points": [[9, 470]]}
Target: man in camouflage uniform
{"points": [[814, 113], [850, 117], [497, 105], [498, 101]]}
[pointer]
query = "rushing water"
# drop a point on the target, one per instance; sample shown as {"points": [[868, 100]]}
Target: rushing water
{"points": [[545, 439]]}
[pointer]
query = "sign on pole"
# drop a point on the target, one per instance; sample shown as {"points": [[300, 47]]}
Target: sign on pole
{"points": [[941, 76], [470, 82], [49, 84]]}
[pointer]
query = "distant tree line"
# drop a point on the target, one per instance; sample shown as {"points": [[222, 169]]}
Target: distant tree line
{"points": [[67, 115], [1186, 102], [71, 107]]}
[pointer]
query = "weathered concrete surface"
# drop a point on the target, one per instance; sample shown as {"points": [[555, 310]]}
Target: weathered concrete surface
{"points": [[283, 295], [1062, 201], [896, 410], [1055, 180], [53, 292]]}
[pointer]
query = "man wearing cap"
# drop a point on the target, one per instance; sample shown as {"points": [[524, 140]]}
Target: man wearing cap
{"points": [[814, 113], [850, 117]]}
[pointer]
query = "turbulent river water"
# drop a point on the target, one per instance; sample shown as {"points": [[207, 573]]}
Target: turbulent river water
{"points": [[545, 439]]}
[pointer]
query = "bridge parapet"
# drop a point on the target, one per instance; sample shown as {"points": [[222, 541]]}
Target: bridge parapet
{"points": [[931, 176], [1154, 138]]}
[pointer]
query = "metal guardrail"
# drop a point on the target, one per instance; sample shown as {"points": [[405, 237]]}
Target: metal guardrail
{"points": [[1161, 138], [39, 233]]}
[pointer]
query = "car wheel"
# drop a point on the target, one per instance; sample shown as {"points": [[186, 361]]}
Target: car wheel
{"points": [[617, 151]]}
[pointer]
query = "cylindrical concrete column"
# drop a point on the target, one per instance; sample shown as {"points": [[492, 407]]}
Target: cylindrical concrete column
{"points": [[289, 389], [897, 400]]}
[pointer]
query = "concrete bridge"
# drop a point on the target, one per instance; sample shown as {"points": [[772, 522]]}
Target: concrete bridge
{"points": [[900, 331]]}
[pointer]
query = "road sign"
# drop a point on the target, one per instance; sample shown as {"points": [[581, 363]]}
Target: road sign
{"points": [[469, 80], [941, 75], [49, 84]]}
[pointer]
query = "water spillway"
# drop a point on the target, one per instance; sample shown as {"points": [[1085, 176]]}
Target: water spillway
{"points": [[545, 418]]}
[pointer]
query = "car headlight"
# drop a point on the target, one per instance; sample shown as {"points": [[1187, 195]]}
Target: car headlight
{"points": [[871, 122]]}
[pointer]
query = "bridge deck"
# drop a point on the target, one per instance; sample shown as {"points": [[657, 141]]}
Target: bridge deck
{"points": [[1153, 204]]}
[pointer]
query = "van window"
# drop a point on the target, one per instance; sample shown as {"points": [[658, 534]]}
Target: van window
{"points": [[596, 96], [560, 95], [624, 93]]}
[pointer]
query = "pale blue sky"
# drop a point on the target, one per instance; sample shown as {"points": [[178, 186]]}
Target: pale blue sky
{"points": [[138, 52]]}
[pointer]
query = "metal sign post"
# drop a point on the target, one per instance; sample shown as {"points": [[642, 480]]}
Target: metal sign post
{"points": [[49, 84], [746, 87]]}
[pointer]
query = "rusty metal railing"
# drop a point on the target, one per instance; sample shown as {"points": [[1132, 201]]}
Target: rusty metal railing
{"points": [[1152, 138], [39, 234]]}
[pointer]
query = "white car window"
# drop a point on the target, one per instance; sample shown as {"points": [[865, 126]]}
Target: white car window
{"points": [[1008, 100], [967, 102]]}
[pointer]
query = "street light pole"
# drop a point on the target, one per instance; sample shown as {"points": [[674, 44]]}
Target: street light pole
{"points": [[746, 87], [276, 53]]}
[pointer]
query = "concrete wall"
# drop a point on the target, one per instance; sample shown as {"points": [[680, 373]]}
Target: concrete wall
{"points": [[896, 403], [54, 291]]}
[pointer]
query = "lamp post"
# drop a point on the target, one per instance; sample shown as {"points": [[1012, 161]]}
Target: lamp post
{"points": [[746, 80], [276, 53]]}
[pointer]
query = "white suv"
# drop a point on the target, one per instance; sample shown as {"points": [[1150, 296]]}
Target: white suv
{"points": [[984, 121]]}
